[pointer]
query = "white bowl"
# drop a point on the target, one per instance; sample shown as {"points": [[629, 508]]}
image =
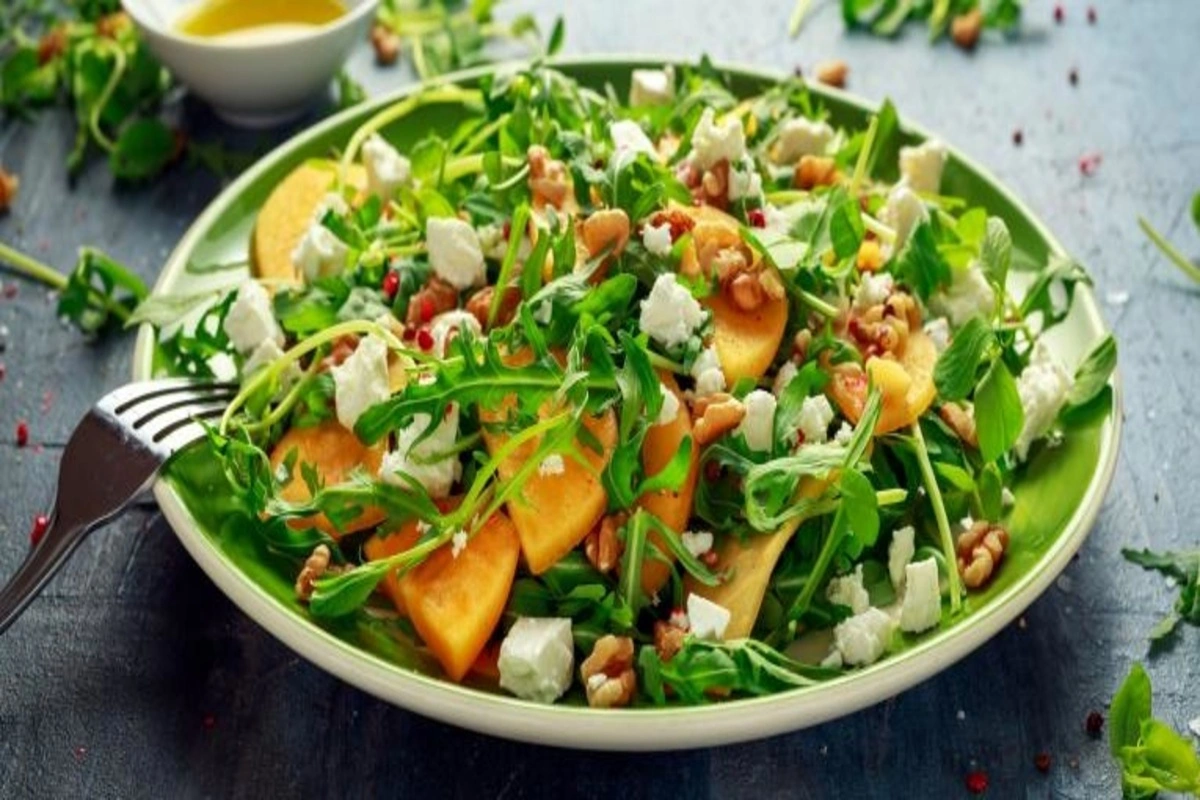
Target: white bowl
{"points": [[251, 83]]}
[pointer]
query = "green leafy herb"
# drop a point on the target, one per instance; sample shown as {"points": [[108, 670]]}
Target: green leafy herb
{"points": [[349, 92], [1184, 568], [999, 416], [920, 265], [743, 666], [955, 372], [1153, 757], [1186, 265], [1092, 375]]}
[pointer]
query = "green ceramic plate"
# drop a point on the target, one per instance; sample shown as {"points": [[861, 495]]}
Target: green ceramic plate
{"points": [[1057, 499]]}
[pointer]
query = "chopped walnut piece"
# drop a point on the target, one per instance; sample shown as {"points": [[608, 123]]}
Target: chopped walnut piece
{"points": [[112, 25], [386, 44], [52, 44], [813, 171], [712, 189], [9, 184], [316, 566], [832, 73], [480, 305], [607, 229], [980, 549], [608, 674], [668, 639], [800, 344], [965, 28], [436, 297], [961, 421], [746, 292], [549, 181], [717, 417], [603, 546]]}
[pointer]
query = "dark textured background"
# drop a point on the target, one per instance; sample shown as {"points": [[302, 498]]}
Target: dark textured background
{"points": [[133, 676]]}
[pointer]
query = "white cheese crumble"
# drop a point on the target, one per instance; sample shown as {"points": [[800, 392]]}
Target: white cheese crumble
{"points": [[1043, 387], [744, 181], [319, 253], [938, 331], [268, 353], [670, 315], [758, 426], [707, 371], [712, 142], [250, 320], [968, 295], [629, 139], [670, 406], [844, 434], [848, 590], [800, 137], [1007, 498], [332, 201], [651, 87], [788, 371], [902, 212], [697, 542], [814, 418], [551, 465], [922, 605], [454, 252], [863, 638], [387, 170], [921, 166], [657, 239], [445, 325], [900, 552], [537, 658], [708, 619], [679, 619], [492, 241], [414, 460], [458, 543], [361, 380], [873, 290]]}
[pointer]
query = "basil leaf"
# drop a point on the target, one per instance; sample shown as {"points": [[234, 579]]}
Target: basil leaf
{"points": [[1092, 375], [1130, 706], [955, 371], [999, 416]]}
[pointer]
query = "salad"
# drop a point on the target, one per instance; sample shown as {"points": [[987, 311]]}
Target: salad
{"points": [[670, 400]]}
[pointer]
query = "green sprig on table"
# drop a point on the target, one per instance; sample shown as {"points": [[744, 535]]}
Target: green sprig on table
{"points": [[1169, 250], [1184, 569], [888, 17], [1153, 757]]}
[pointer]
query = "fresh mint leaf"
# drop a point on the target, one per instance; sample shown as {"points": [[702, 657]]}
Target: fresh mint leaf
{"points": [[1092, 375], [999, 416], [954, 374]]}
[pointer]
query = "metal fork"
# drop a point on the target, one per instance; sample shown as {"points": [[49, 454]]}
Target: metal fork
{"points": [[113, 456]]}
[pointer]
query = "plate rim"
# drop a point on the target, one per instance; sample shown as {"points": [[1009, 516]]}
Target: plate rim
{"points": [[641, 729]]}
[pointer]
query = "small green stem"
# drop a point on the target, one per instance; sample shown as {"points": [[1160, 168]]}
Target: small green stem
{"points": [[817, 304], [1177, 258], [880, 230], [939, 513], [113, 80], [288, 402], [31, 268], [864, 155], [796, 21]]}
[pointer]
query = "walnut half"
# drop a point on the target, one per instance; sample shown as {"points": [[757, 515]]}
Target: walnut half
{"points": [[608, 674], [313, 569], [980, 549]]}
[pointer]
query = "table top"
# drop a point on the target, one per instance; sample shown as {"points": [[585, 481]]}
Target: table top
{"points": [[133, 676]]}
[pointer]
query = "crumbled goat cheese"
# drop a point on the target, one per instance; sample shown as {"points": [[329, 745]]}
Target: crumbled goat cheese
{"points": [[361, 380], [784, 377], [1043, 387], [458, 543], [900, 552], [709, 620], [446, 325], [551, 465], [833, 660], [902, 212], [387, 170], [670, 406], [697, 542], [707, 371], [922, 605], [758, 426], [537, 658], [268, 353], [1007, 498], [670, 315], [679, 619], [967, 522], [543, 313], [863, 638], [414, 459], [454, 252], [713, 143], [968, 295], [250, 320], [921, 166], [849, 591], [319, 253], [800, 137], [332, 201], [629, 139], [492, 241], [651, 87], [814, 418], [779, 222], [657, 239], [873, 290], [938, 331], [744, 181], [844, 434]]}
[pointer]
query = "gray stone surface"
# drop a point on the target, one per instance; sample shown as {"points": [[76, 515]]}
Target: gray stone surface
{"points": [[133, 676]]}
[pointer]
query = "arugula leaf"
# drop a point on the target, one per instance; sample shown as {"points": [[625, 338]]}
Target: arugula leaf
{"points": [[1092, 375], [999, 416], [955, 371], [99, 292], [1184, 567], [1041, 296]]}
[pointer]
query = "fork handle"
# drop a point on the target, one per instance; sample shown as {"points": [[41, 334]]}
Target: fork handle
{"points": [[57, 544]]}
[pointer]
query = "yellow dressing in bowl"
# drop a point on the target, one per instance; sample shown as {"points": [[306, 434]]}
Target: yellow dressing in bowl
{"points": [[257, 20]]}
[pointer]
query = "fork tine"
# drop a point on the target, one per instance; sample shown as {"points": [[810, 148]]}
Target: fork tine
{"points": [[123, 399], [183, 432], [137, 424]]}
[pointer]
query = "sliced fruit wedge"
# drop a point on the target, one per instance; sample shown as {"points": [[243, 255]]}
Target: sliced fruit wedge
{"points": [[907, 384]]}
